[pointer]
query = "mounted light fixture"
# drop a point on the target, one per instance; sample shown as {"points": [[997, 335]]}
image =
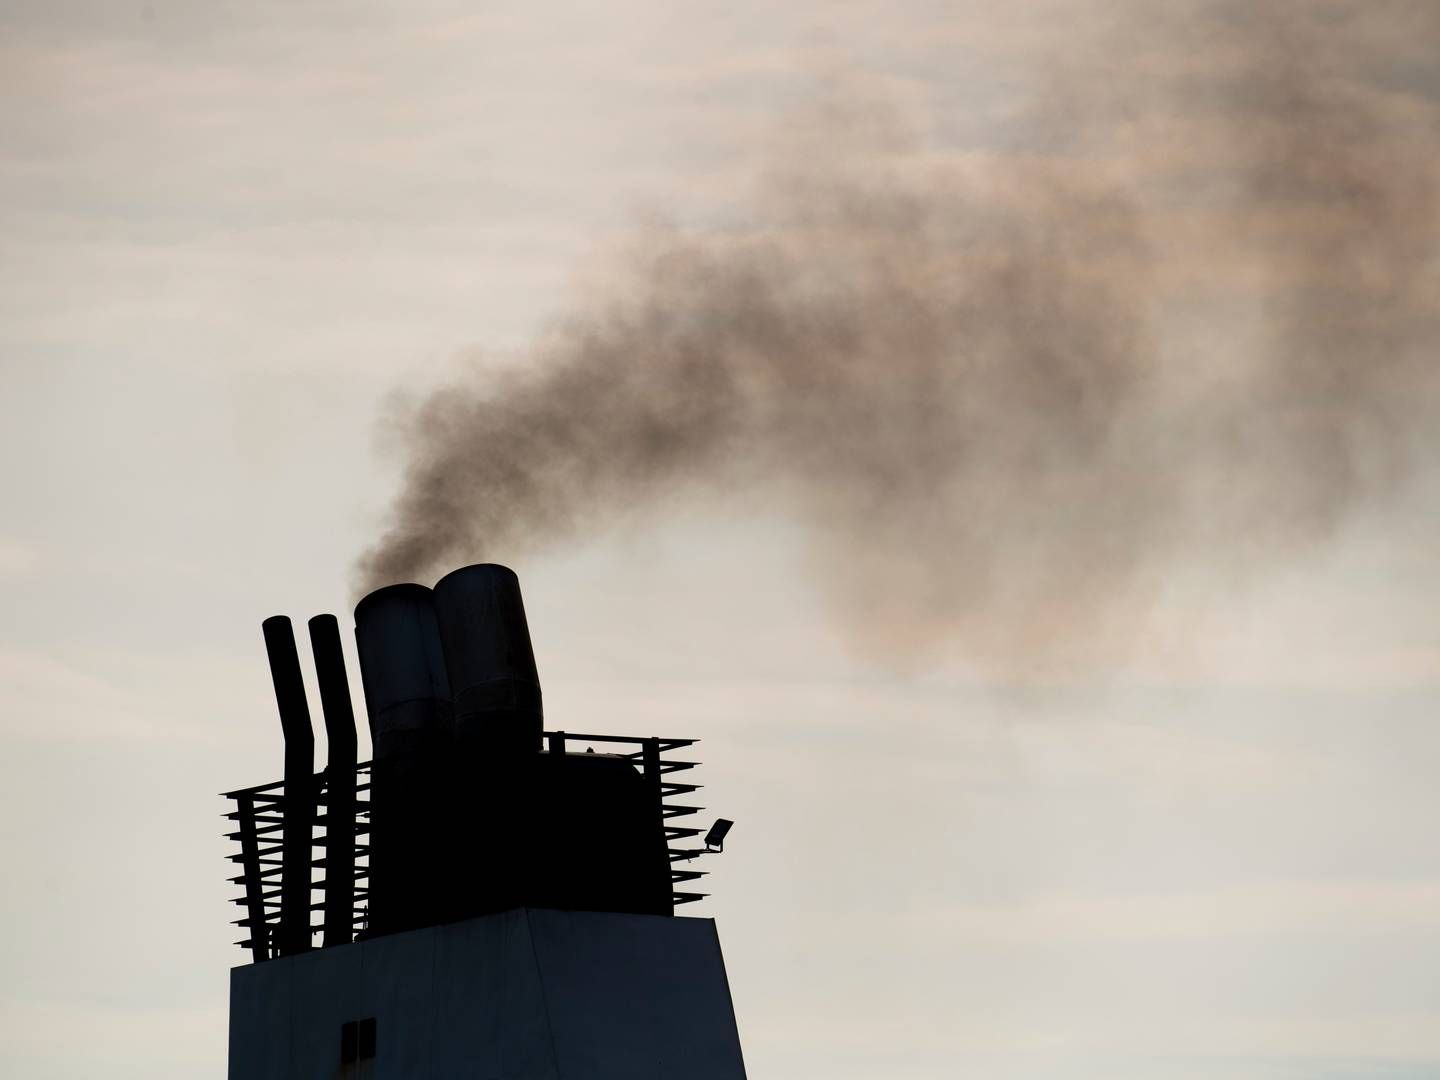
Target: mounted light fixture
{"points": [[715, 838]]}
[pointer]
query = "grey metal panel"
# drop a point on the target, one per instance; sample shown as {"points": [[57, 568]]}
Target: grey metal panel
{"points": [[636, 996], [522, 995], [470, 979], [397, 988], [261, 1005], [489, 1013], [326, 991]]}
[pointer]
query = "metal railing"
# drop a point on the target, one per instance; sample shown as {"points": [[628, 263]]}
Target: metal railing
{"points": [[258, 817]]}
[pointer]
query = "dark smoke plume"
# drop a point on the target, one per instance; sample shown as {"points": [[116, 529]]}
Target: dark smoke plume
{"points": [[1192, 317]]}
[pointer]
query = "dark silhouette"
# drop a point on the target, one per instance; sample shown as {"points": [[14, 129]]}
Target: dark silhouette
{"points": [[468, 807], [339, 779], [298, 805]]}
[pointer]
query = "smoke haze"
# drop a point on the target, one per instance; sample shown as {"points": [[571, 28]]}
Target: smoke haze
{"points": [[1185, 315]]}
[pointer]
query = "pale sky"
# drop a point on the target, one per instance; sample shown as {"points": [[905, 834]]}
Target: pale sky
{"points": [[233, 232]]}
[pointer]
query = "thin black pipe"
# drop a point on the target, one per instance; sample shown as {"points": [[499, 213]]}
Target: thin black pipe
{"points": [[339, 779], [299, 805]]}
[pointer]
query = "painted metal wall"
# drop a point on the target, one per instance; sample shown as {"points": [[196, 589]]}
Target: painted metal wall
{"points": [[523, 995]]}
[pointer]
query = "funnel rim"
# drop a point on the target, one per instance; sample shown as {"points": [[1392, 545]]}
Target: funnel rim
{"points": [[385, 592], [490, 566]]}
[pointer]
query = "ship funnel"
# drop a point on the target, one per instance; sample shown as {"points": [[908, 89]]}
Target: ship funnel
{"points": [[407, 695], [490, 660]]}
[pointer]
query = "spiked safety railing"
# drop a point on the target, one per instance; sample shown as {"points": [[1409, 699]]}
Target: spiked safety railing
{"points": [[340, 814]]}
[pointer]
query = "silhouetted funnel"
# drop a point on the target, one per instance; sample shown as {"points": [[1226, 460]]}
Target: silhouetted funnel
{"points": [[402, 665], [408, 698], [489, 659]]}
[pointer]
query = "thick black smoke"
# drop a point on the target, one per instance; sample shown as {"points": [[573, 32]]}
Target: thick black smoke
{"points": [[1006, 392]]}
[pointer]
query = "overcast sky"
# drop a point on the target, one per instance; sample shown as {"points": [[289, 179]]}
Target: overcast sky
{"points": [[233, 233]]}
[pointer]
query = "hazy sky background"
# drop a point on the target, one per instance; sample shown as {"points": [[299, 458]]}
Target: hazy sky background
{"points": [[233, 232]]}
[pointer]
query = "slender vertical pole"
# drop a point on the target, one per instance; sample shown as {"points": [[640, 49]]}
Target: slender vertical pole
{"points": [[651, 759], [664, 894], [254, 884], [297, 836], [339, 779]]}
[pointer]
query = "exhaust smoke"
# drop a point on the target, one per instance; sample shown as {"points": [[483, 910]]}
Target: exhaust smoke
{"points": [[1188, 317]]}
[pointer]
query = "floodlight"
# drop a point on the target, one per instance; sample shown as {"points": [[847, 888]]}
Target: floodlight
{"points": [[715, 838]]}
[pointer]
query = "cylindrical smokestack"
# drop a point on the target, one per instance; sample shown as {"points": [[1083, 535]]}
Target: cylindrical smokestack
{"points": [[299, 806], [497, 731], [489, 659], [339, 779], [402, 665], [407, 693]]}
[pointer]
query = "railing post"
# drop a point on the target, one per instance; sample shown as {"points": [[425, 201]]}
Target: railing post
{"points": [[650, 756], [254, 884], [652, 766]]}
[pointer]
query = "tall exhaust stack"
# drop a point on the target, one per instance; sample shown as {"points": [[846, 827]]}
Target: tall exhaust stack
{"points": [[407, 691], [497, 731], [497, 900], [490, 660]]}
